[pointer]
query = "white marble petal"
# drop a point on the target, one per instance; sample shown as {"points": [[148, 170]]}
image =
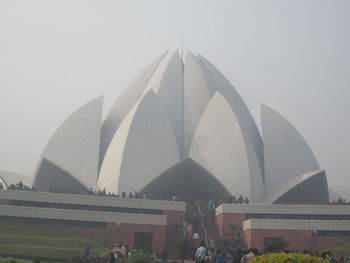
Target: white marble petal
{"points": [[198, 90], [239, 107], [74, 147], [320, 182], [167, 82], [219, 146], [286, 153], [142, 148], [127, 99]]}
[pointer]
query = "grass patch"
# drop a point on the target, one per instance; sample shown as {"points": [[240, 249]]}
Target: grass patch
{"points": [[343, 250], [44, 242], [13, 260]]}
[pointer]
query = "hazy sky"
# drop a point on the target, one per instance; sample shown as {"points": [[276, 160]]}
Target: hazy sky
{"points": [[291, 55]]}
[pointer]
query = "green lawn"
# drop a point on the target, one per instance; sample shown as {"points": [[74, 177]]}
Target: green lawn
{"points": [[44, 242], [341, 250], [14, 260]]}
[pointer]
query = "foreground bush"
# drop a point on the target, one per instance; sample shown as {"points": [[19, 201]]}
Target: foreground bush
{"points": [[287, 258], [139, 258]]}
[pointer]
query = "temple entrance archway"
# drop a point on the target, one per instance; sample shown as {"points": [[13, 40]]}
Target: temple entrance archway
{"points": [[188, 180]]}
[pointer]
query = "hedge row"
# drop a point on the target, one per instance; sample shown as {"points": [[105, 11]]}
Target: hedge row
{"points": [[287, 258]]}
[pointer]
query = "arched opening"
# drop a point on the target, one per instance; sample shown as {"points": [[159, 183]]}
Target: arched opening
{"points": [[313, 190], [51, 177], [188, 180]]}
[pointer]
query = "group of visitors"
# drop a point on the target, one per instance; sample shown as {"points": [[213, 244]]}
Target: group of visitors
{"points": [[121, 251], [64, 191], [199, 210], [244, 256], [340, 201], [125, 250], [328, 255], [160, 256], [211, 204], [239, 200], [103, 192], [124, 194], [202, 254], [18, 186]]}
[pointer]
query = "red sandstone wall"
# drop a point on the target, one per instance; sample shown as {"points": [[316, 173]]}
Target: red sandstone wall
{"points": [[174, 217], [247, 235], [297, 239], [223, 221], [127, 231], [123, 233], [107, 236]]}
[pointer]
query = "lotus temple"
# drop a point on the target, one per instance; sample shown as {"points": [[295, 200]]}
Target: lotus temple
{"points": [[180, 128]]}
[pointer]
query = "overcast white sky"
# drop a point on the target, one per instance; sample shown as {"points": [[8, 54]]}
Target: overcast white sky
{"points": [[291, 55]]}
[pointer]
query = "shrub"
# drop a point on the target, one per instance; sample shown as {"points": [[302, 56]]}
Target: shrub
{"points": [[287, 258], [139, 258]]}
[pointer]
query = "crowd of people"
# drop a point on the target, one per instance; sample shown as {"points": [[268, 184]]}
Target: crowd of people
{"points": [[340, 201], [204, 255], [91, 191], [121, 251], [18, 186], [124, 194], [134, 194], [103, 192], [125, 250], [239, 200], [236, 253]]}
